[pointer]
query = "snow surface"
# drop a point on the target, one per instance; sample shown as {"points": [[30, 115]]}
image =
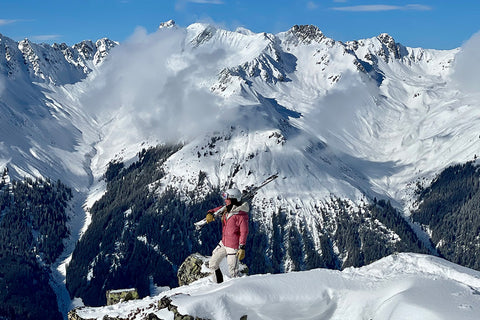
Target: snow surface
{"points": [[401, 286]]}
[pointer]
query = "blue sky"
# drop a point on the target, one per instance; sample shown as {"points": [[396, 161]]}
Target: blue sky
{"points": [[436, 24]]}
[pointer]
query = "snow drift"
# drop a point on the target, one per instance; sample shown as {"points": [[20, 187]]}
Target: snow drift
{"points": [[401, 286]]}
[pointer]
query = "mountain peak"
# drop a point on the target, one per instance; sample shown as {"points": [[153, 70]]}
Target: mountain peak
{"points": [[393, 47], [204, 33], [167, 24], [386, 39], [307, 33], [244, 31]]}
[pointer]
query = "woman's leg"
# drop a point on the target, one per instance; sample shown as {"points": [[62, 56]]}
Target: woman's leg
{"points": [[218, 254], [232, 261]]}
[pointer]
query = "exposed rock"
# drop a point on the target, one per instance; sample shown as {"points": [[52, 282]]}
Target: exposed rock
{"points": [[116, 296], [113, 318], [166, 302], [72, 315], [391, 47], [194, 268], [307, 33], [191, 269], [204, 36], [104, 46]]}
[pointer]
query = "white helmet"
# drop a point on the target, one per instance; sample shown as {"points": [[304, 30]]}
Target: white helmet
{"points": [[232, 194]]}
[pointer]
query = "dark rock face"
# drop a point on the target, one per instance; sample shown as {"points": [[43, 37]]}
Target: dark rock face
{"points": [[307, 33]]}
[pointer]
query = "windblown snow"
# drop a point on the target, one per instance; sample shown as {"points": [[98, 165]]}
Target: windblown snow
{"points": [[401, 286]]}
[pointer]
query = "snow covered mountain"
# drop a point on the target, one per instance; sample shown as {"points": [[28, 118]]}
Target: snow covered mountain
{"points": [[42, 136], [356, 119], [341, 123]]}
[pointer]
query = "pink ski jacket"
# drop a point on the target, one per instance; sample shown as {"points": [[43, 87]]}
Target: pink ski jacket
{"points": [[235, 226]]}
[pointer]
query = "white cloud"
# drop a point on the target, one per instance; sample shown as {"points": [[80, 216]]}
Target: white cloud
{"points": [[181, 4], [4, 22], [382, 7], [46, 37], [417, 7], [466, 68], [150, 87], [207, 1]]}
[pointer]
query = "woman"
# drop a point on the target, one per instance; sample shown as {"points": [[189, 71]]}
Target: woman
{"points": [[234, 233]]}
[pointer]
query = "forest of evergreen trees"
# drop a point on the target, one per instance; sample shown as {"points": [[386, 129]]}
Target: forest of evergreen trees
{"points": [[358, 239], [32, 228], [450, 208]]}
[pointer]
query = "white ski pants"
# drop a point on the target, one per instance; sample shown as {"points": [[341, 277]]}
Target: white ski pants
{"points": [[221, 252]]}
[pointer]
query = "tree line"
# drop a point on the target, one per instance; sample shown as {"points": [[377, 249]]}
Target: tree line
{"points": [[450, 209]]}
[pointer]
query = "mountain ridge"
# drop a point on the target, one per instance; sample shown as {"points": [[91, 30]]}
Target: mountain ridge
{"points": [[42, 61]]}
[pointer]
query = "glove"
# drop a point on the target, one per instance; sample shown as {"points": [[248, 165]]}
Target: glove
{"points": [[209, 217], [241, 252]]}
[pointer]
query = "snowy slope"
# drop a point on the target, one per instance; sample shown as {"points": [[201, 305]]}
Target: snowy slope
{"points": [[401, 286], [41, 134]]}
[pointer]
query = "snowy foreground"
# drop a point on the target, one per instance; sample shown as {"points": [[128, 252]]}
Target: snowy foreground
{"points": [[401, 286]]}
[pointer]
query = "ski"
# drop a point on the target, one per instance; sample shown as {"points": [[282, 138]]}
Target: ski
{"points": [[247, 195]]}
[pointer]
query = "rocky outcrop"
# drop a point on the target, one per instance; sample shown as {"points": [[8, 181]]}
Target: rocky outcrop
{"points": [[191, 269], [113, 297], [166, 302], [163, 303], [72, 315], [307, 34], [116, 296], [391, 47], [195, 267]]}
